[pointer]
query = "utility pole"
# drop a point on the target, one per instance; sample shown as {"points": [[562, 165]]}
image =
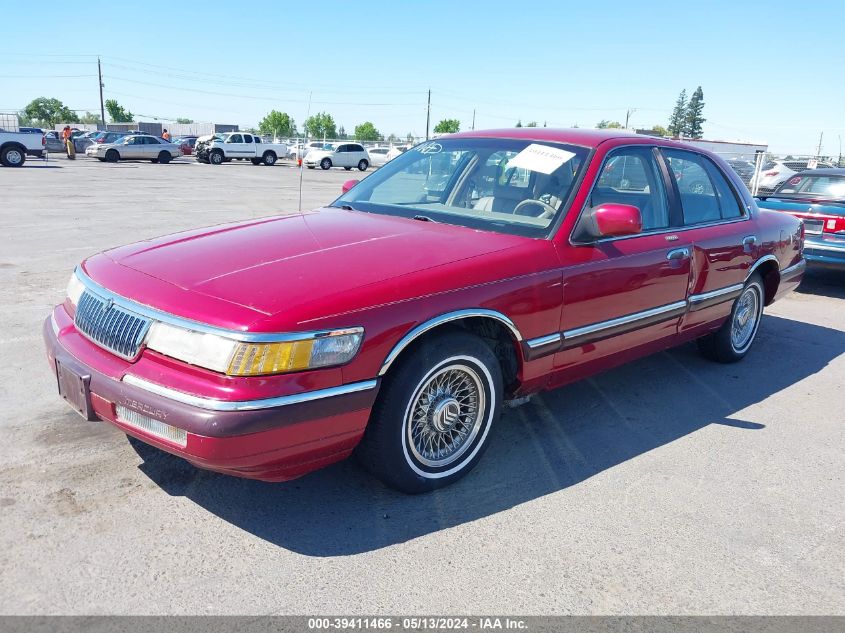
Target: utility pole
{"points": [[819, 150], [102, 108], [428, 114], [628, 114], [473, 118]]}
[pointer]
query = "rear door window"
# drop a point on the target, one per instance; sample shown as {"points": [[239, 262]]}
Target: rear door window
{"points": [[705, 194]]}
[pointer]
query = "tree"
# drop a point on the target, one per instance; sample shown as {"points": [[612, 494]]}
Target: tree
{"points": [[90, 117], [604, 124], [531, 124], [659, 130], [341, 133], [367, 132], [117, 113], [182, 119], [392, 139], [518, 123], [410, 137], [677, 124], [321, 125], [278, 124], [693, 119], [447, 126], [45, 112]]}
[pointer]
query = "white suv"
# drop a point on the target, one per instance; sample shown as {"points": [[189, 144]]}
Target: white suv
{"points": [[346, 155]]}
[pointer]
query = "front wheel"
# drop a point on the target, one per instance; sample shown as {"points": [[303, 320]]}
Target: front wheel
{"points": [[216, 157], [362, 165], [326, 163], [112, 156], [431, 422], [255, 161], [731, 342]]}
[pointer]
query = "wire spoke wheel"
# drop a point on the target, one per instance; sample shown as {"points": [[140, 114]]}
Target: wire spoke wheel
{"points": [[446, 415], [745, 319]]}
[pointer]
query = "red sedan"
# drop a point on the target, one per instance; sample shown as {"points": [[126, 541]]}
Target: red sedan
{"points": [[471, 270]]}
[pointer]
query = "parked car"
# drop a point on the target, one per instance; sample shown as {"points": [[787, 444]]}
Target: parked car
{"points": [[396, 321], [108, 137], [135, 147], [773, 173], [817, 197], [346, 155], [53, 142], [186, 143], [16, 146], [378, 155], [82, 141], [300, 150], [220, 148], [744, 169]]}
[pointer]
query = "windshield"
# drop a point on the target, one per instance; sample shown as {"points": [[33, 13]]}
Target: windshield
{"points": [[510, 186], [815, 186]]}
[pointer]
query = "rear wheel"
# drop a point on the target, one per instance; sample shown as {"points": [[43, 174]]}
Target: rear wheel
{"points": [[433, 416], [269, 158], [12, 157], [731, 342], [348, 168], [326, 163], [362, 165], [112, 156], [255, 161], [164, 157]]}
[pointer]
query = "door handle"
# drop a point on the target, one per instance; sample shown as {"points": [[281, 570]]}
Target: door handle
{"points": [[748, 241], [678, 253]]}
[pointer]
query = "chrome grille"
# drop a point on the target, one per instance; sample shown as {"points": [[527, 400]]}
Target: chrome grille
{"points": [[152, 426], [110, 326]]}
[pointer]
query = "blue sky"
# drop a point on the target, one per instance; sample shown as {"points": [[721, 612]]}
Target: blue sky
{"points": [[559, 62]]}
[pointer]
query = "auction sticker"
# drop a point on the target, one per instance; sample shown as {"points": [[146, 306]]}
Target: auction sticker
{"points": [[541, 158]]}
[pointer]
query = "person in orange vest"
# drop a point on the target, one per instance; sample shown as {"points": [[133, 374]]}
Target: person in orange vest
{"points": [[68, 140], [166, 135]]}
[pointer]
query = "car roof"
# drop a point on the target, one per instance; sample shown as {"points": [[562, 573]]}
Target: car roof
{"points": [[574, 136], [828, 171]]}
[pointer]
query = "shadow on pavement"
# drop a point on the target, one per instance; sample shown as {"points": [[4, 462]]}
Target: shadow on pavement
{"points": [[560, 439], [824, 282]]}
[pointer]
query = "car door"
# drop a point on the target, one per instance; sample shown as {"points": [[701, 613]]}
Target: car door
{"points": [[625, 295], [340, 156], [132, 148], [716, 222], [152, 146], [235, 147], [249, 145]]}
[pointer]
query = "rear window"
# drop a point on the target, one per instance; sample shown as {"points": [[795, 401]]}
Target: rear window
{"points": [[826, 186]]}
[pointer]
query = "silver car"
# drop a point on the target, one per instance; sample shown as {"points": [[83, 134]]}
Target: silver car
{"points": [[135, 147]]}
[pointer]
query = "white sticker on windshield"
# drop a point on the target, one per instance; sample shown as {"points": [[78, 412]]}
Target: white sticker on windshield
{"points": [[540, 158]]}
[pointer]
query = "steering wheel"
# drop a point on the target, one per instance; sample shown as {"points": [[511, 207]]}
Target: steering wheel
{"points": [[548, 210]]}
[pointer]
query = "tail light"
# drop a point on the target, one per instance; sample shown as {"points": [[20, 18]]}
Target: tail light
{"points": [[43, 141], [834, 225]]}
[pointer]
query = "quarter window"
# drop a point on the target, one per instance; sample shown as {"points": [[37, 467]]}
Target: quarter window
{"points": [[631, 176]]}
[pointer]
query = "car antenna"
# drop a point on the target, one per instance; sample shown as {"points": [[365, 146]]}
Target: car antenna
{"points": [[299, 157]]}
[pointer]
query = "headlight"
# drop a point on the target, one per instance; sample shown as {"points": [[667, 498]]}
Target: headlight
{"points": [[75, 289], [197, 348], [238, 358]]}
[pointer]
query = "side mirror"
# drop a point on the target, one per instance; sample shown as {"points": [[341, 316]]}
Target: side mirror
{"points": [[349, 184], [615, 220]]}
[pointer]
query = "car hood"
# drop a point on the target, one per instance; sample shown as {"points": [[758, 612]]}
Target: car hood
{"points": [[281, 264]]}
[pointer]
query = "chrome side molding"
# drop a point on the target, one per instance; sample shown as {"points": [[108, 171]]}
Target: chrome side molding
{"points": [[246, 405]]}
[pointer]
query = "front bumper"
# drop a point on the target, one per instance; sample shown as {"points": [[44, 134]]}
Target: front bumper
{"points": [[272, 441]]}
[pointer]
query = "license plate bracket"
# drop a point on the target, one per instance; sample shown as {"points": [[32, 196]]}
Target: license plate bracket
{"points": [[75, 389]]}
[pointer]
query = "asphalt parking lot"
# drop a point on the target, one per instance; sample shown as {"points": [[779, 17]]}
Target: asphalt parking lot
{"points": [[669, 486]]}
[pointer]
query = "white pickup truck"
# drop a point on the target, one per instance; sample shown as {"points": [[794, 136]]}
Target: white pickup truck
{"points": [[221, 148], [16, 146]]}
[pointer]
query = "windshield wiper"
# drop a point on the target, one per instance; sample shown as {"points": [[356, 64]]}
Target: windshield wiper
{"points": [[424, 218]]}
